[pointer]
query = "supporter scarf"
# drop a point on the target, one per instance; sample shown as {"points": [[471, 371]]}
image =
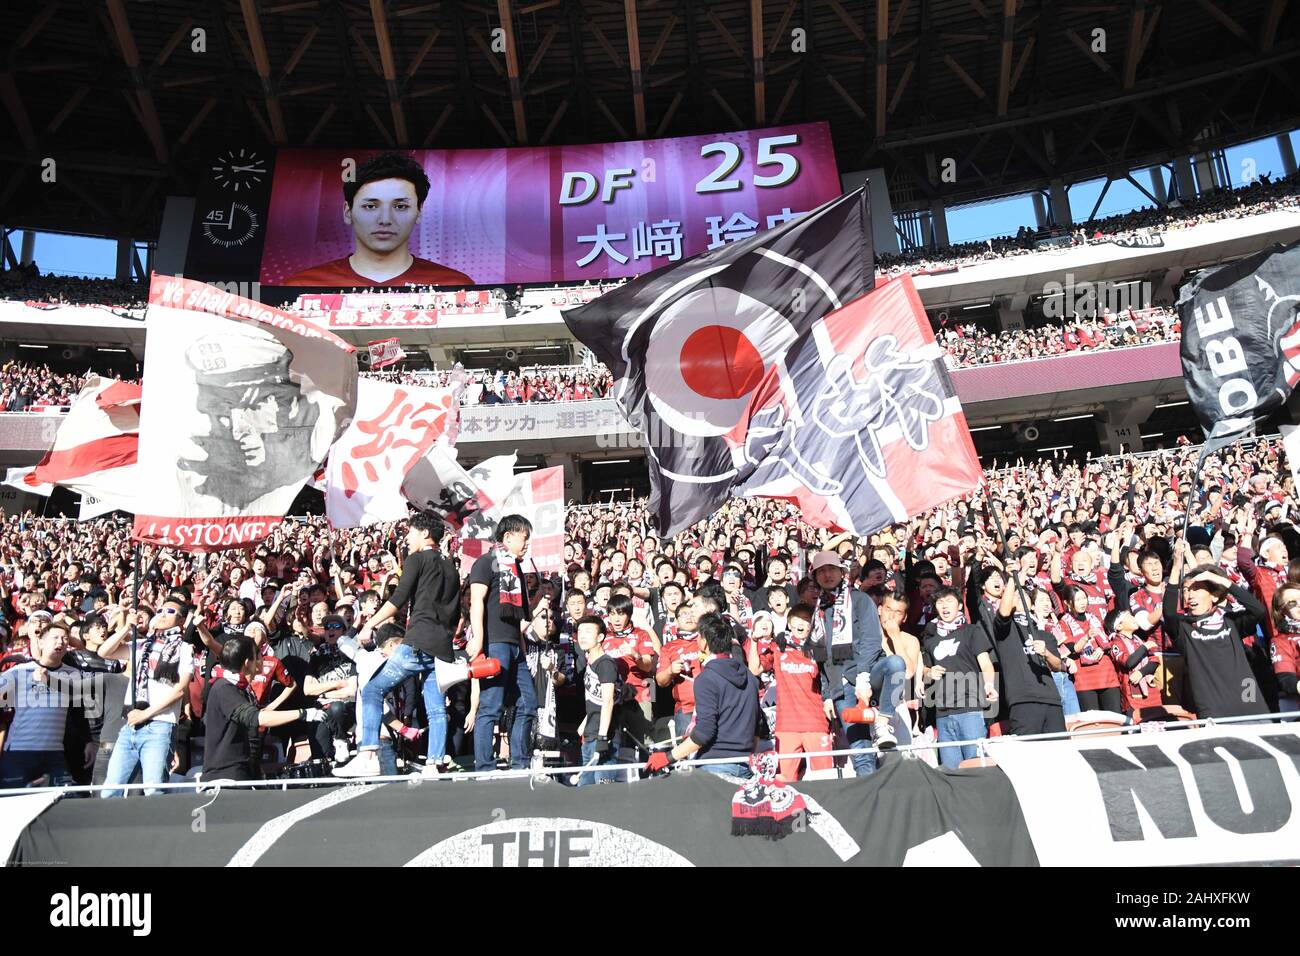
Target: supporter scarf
{"points": [[1289, 626], [1212, 621], [1279, 571], [512, 589], [160, 660], [946, 628], [762, 806], [1229, 564], [239, 680], [670, 631], [842, 613]]}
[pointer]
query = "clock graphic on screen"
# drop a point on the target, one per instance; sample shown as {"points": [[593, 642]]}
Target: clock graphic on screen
{"points": [[230, 227], [242, 170]]}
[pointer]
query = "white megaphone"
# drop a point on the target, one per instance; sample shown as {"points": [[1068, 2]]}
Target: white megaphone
{"points": [[451, 673]]}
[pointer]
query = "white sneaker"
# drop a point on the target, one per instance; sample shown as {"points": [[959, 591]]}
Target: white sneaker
{"points": [[341, 751], [884, 736], [437, 769], [363, 765]]}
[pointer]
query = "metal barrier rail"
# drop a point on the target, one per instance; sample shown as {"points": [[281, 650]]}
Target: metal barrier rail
{"points": [[611, 769]]}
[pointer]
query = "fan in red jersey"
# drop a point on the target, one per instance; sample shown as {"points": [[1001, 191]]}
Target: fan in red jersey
{"points": [[382, 204], [802, 715], [634, 650], [1137, 657]]}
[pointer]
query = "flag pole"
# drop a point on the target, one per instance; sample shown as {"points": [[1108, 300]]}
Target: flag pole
{"points": [[135, 625], [1009, 567]]}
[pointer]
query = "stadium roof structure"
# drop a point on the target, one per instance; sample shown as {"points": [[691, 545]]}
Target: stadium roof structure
{"points": [[132, 106]]}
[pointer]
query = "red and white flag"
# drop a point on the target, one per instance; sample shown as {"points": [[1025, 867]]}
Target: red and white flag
{"points": [[241, 404], [21, 478], [539, 497], [96, 445], [395, 427], [385, 352], [862, 428]]}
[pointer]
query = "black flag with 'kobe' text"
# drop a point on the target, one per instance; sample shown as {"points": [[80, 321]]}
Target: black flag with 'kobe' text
{"points": [[694, 347], [1241, 340]]}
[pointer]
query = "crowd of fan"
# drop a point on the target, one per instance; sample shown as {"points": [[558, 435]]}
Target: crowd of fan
{"points": [[1093, 543], [27, 284], [26, 387], [1264, 195], [487, 387], [971, 344]]}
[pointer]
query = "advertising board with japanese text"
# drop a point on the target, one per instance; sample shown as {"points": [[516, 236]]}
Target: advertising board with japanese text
{"points": [[534, 214]]}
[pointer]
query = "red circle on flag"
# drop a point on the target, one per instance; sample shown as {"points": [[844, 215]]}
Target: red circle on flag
{"points": [[719, 361]]}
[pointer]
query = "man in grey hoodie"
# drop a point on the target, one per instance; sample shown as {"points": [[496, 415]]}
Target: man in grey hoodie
{"points": [[726, 706]]}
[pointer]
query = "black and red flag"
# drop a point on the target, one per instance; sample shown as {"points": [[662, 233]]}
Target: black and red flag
{"points": [[759, 368]]}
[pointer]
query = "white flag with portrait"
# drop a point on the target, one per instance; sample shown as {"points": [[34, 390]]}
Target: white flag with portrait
{"points": [[241, 404]]}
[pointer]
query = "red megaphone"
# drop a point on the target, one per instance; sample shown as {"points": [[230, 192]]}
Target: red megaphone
{"points": [[859, 715], [449, 675]]}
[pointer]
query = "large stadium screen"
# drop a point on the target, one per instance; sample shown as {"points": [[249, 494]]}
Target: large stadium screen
{"points": [[526, 215]]}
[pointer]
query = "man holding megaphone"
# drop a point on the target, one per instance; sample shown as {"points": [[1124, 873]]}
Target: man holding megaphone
{"points": [[430, 585]]}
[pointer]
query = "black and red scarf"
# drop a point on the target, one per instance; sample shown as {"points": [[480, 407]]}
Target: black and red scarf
{"points": [[764, 806], [946, 628], [160, 659]]}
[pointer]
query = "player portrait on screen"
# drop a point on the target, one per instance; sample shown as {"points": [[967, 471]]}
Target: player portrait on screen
{"points": [[382, 205]]}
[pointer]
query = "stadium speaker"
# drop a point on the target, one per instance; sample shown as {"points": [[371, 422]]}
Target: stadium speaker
{"points": [[70, 353], [1027, 433], [511, 355]]}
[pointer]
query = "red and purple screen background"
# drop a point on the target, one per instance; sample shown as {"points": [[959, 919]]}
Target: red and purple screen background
{"points": [[495, 214]]}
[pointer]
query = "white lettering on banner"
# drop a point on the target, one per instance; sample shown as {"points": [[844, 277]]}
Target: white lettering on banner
{"points": [[1223, 794], [1237, 387], [548, 841], [1226, 357], [214, 534], [564, 841], [1215, 319]]}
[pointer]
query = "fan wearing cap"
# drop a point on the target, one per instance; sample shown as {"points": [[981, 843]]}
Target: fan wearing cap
{"points": [[846, 639], [259, 423]]}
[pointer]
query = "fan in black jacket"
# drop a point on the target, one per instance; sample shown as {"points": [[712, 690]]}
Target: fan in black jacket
{"points": [[1209, 637]]}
